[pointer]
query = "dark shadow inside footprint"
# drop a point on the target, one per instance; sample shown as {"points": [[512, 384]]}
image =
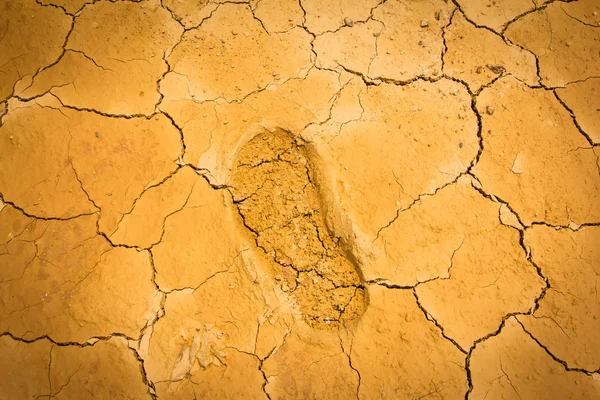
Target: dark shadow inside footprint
{"points": [[276, 195]]}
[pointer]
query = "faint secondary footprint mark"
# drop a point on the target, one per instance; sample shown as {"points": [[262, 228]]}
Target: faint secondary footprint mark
{"points": [[280, 203]]}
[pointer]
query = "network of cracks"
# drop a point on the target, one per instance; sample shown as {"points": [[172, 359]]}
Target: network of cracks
{"points": [[299, 199]]}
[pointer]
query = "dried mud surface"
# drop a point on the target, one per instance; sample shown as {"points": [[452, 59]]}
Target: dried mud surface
{"points": [[299, 199]]}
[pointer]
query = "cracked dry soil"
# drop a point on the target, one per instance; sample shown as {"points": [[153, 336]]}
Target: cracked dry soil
{"points": [[299, 199]]}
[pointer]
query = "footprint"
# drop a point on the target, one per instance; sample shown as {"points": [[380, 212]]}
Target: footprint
{"points": [[280, 203]]}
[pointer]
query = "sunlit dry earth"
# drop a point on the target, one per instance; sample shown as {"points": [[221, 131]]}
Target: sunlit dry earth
{"points": [[283, 199]]}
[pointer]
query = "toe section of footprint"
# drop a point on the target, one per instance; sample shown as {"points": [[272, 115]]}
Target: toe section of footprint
{"points": [[279, 201]]}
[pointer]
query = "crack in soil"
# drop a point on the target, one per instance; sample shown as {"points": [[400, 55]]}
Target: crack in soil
{"points": [[321, 232]]}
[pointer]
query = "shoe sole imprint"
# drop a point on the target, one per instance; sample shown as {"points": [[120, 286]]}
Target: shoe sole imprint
{"points": [[280, 203]]}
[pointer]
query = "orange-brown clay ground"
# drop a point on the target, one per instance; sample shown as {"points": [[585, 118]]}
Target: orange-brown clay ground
{"points": [[299, 199]]}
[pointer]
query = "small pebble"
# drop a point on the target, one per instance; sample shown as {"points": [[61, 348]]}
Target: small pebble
{"points": [[490, 110], [97, 134], [424, 23], [348, 22], [595, 13], [376, 33], [497, 69], [479, 70]]}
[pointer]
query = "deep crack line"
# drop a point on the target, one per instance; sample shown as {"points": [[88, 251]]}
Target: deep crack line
{"points": [[558, 360], [25, 213], [430, 318], [91, 341], [574, 118]]}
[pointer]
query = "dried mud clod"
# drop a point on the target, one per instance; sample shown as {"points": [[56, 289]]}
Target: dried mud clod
{"points": [[275, 192]]}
